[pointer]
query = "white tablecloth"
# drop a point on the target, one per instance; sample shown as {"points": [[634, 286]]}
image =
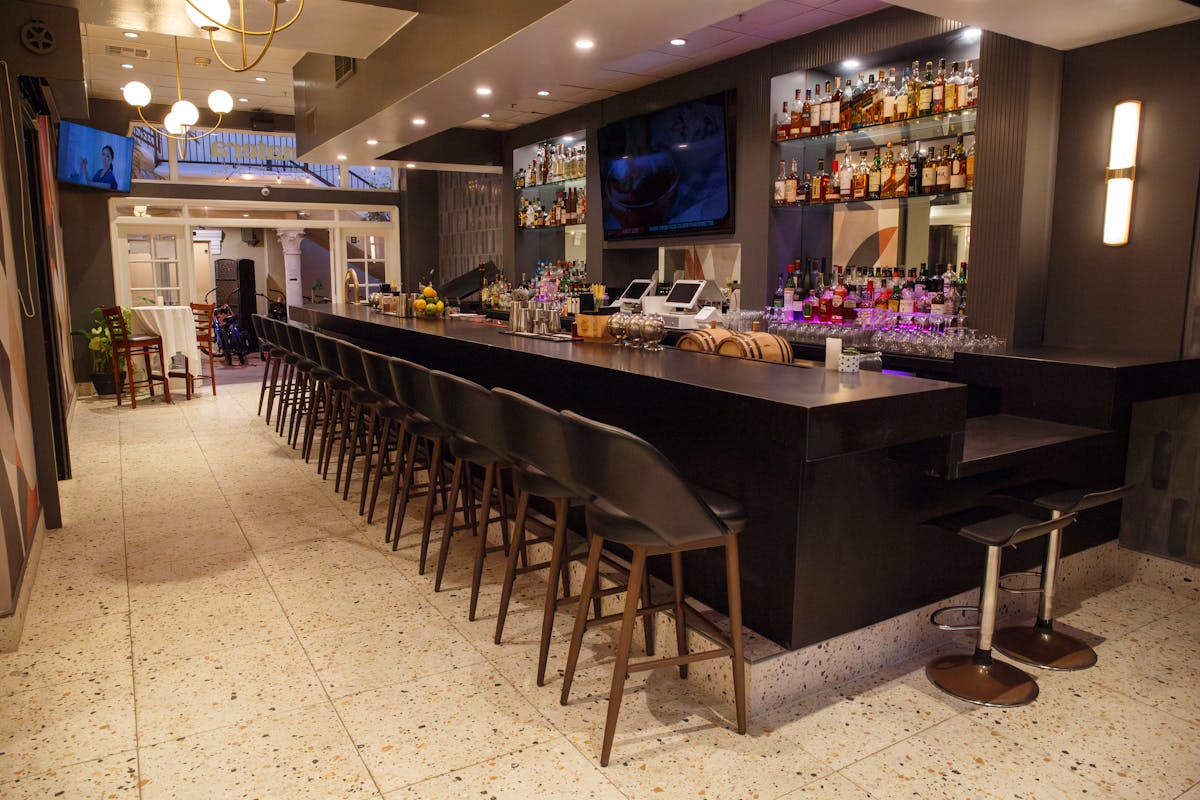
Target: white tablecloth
{"points": [[176, 327]]}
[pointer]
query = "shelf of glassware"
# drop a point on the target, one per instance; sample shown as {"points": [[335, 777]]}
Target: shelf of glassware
{"points": [[563, 183], [960, 122], [905, 200]]}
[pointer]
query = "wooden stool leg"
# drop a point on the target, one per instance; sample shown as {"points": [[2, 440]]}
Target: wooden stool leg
{"points": [[399, 506], [624, 642], [510, 570], [595, 549], [456, 488], [733, 589], [116, 368], [481, 529], [680, 613], [348, 439], [648, 619], [129, 375], [558, 545], [384, 436], [435, 469], [212, 374], [273, 387], [149, 374], [166, 381], [262, 392]]}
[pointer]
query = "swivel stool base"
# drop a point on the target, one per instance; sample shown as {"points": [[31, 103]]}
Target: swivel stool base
{"points": [[993, 683], [1042, 646]]}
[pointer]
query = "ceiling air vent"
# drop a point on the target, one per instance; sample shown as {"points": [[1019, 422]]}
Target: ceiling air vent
{"points": [[126, 52], [343, 68]]}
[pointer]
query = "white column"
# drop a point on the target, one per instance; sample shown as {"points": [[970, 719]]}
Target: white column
{"points": [[289, 240]]}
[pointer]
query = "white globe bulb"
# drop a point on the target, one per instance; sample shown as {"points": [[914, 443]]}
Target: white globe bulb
{"points": [[172, 124], [220, 101], [137, 94], [185, 112], [217, 10]]}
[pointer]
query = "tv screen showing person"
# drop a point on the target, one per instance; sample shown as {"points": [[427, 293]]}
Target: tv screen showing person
{"points": [[95, 158]]}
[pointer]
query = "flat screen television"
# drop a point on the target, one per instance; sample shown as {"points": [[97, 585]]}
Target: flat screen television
{"points": [[669, 172], [95, 158]]}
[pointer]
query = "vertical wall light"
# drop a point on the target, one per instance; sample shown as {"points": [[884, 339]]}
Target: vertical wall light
{"points": [[1122, 160]]}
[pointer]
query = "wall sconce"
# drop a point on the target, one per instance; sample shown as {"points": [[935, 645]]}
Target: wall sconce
{"points": [[1118, 178]]}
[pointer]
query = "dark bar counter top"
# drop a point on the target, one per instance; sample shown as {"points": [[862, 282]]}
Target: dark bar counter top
{"points": [[821, 460]]}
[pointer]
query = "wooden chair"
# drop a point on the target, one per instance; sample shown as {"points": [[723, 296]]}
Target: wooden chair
{"points": [[202, 314], [125, 347]]}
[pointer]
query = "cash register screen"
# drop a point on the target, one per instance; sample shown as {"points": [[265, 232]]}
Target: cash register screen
{"points": [[683, 294], [635, 290]]}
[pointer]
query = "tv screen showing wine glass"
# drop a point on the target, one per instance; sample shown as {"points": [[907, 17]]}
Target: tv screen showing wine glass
{"points": [[669, 172], [95, 158]]}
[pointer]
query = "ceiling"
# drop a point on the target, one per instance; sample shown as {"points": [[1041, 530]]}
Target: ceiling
{"points": [[333, 27], [1061, 24]]}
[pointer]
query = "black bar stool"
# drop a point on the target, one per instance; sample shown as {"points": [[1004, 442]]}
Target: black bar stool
{"points": [[318, 390], [390, 422], [358, 426], [1040, 645], [977, 677], [337, 401], [536, 446], [301, 403], [639, 500], [273, 353], [468, 411], [283, 388]]}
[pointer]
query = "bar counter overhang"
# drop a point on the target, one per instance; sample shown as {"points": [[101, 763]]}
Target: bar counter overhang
{"points": [[834, 469]]}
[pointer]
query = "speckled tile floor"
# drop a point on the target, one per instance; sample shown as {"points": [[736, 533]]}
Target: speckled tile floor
{"points": [[213, 622]]}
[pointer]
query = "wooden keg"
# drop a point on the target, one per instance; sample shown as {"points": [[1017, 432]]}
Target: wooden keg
{"points": [[706, 340], [758, 345]]}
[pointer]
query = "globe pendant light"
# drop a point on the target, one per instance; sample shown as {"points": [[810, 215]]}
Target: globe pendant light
{"points": [[213, 15], [178, 123]]}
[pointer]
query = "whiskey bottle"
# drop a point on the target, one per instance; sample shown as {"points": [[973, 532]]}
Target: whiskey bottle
{"points": [[783, 124], [925, 104], [826, 102], [943, 170], [832, 191], [939, 88], [846, 177], [806, 110], [797, 126], [847, 106], [867, 102], [887, 176], [971, 80], [970, 166], [901, 170], [889, 97], [953, 79], [929, 172], [915, 163], [880, 96], [859, 182], [874, 173], [835, 106], [820, 183], [902, 97], [781, 184], [804, 189], [791, 184], [856, 101], [958, 167]]}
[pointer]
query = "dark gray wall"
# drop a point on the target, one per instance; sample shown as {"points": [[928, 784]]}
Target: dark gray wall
{"points": [[418, 225], [1133, 298]]}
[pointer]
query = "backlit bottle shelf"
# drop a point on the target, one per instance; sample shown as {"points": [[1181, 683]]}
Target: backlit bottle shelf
{"points": [[851, 203], [934, 126], [580, 181]]}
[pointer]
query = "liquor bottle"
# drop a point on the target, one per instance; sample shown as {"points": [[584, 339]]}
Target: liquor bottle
{"points": [[874, 173], [889, 97], [806, 110], [781, 184], [789, 292], [901, 170], [939, 88], [868, 102], [847, 106], [846, 177], [925, 104], [783, 124], [880, 96], [902, 97], [820, 184], [971, 82], [937, 303], [809, 309], [958, 167], [804, 189], [916, 162], [887, 174], [791, 184], [914, 91], [859, 182], [970, 166], [826, 103], [929, 172], [838, 300], [943, 170], [777, 300], [835, 106], [953, 79], [796, 128]]}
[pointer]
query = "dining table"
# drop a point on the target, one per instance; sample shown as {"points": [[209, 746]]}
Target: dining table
{"points": [[174, 324]]}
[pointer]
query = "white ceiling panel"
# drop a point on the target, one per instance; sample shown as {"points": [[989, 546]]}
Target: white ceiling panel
{"points": [[805, 22], [697, 42], [645, 63], [761, 18]]}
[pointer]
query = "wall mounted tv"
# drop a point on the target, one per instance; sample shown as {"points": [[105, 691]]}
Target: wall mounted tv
{"points": [[90, 157], [669, 172]]}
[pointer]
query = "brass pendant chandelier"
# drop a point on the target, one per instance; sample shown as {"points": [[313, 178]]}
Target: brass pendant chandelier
{"points": [[213, 15], [178, 124]]}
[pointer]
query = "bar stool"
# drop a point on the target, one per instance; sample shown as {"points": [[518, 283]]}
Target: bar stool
{"points": [[360, 414], [389, 417], [273, 355], [641, 501], [468, 411], [536, 446], [125, 346], [299, 404], [202, 316], [1040, 645], [318, 389], [423, 426], [977, 677], [338, 399]]}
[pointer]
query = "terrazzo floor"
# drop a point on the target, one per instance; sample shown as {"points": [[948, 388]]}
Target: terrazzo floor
{"points": [[212, 622]]}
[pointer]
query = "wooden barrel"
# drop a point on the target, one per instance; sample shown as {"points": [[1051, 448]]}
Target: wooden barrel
{"points": [[758, 345], [705, 340]]}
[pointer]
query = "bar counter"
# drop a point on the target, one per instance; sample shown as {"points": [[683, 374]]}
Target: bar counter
{"points": [[821, 460]]}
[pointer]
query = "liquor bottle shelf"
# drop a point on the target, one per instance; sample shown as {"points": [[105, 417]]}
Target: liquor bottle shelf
{"points": [[903, 200], [932, 126], [527, 229], [564, 182]]}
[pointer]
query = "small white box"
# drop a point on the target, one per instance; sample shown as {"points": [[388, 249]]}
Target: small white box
{"points": [[848, 362]]}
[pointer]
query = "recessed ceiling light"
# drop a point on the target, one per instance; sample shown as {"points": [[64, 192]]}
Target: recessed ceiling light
{"points": [[127, 66], [245, 215], [418, 120], [568, 139], [411, 166], [678, 42], [308, 180], [243, 99], [248, 176], [130, 35], [971, 34], [851, 63], [486, 116], [543, 93], [261, 79], [341, 156], [584, 44], [482, 91], [372, 142]]}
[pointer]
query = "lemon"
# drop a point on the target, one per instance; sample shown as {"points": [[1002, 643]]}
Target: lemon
{"points": [[429, 291], [441, 306], [418, 305]]}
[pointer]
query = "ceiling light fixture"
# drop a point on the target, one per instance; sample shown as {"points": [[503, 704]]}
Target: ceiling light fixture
{"points": [[410, 166], [486, 116], [543, 93], [243, 99], [372, 142], [212, 15], [127, 66], [341, 156], [247, 176], [130, 35], [568, 139], [418, 120], [483, 91], [183, 116], [679, 42], [260, 79], [851, 63], [971, 34], [584, 44]]}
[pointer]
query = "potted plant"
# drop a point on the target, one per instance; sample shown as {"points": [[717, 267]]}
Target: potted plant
{"points": [[100, 346]]}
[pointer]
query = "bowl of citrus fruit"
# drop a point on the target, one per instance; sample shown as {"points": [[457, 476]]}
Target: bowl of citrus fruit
{"points": [[428, 305]]}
